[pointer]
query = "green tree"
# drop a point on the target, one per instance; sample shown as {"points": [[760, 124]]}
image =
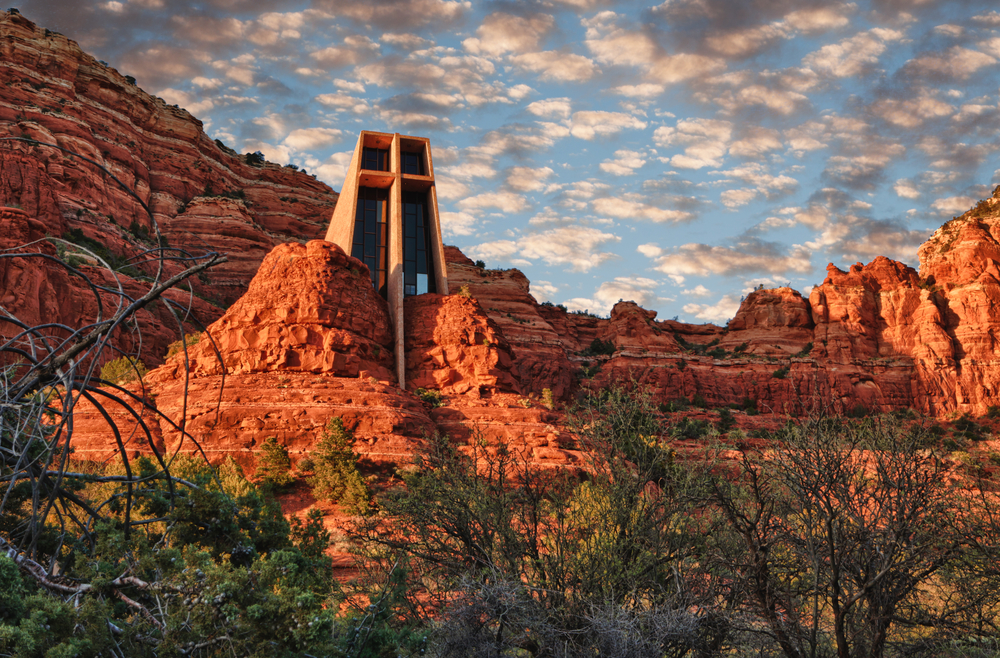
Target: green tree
{"points": [[335, 470], [273, 465]]}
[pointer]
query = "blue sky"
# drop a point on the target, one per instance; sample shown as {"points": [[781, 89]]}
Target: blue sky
{"points": [[676, 153]]}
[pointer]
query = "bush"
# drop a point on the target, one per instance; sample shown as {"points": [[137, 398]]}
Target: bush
{"points": [[431, 397], [123, 370], [781, 372], [548, 401], [698, 400], [726, 421], [481, 264], [273, 465], [804, 351], [599, 347], [690, 428], [177, 346], [335, 470], [464, 291]]}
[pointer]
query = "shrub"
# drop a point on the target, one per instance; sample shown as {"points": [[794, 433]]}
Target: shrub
{"points": [[698, 400], [599, 347], [690, 428], [335, 469], [178, 345], [273, 465], [741, 348], [717, 353], [431, 397], [547, 400], [780, 373], [255, 159], [993, 412], [481, 264], [122, 370], [804, 351], [726, 421], [681, 364], [465, 292], [524, 402]]}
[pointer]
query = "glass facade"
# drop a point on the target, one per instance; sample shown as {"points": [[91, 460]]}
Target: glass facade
{"points": [[371, 235], [418, 267], [413, 163], [375, 159]]}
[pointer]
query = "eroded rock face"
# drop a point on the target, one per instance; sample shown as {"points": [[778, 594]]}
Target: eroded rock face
{"points": [[311, 308], [57, 94], [452, 346]]}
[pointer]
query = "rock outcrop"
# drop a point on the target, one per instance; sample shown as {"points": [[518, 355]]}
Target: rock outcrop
{"points": [[203, 195]]}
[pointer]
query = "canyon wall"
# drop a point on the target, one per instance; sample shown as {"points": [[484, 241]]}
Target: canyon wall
{"points": [[204, 196]]}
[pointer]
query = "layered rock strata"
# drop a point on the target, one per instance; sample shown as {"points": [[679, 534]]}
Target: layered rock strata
{"points": [[204, 196]]}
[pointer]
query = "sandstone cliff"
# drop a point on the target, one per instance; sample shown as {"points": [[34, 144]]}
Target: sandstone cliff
{"points": [[204, 196]]}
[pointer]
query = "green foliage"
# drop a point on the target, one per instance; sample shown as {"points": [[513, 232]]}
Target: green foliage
{"points": [[804, 351], [255, 159], [749, 406], [430, 396], [588, 370], [464, 291], [698, 400], [690, 429], [273, 465], [548, 401], [599, 347], [672, 406], [177, 346], [741, 348], [781, 372], [335, 470], [114, 261], [967, 428], [481, 264], [726, 421], [123, 370], [506, 555]]}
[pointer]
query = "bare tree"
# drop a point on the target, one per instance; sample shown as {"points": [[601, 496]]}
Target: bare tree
{"points": [[841, 537]]}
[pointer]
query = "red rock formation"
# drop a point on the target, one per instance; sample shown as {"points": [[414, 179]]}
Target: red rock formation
{"points": [[57, 94], [453, 347], [38, 290]]}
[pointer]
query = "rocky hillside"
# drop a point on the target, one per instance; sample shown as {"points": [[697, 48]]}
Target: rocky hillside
{"points": [[203, 195], [311, 340]]}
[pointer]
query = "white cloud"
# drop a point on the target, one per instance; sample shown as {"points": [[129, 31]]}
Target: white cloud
{"points": [[705, 142], [906, 189], [501, 33], [551, 108], [644, 90], [502, 200], [624, 163], [556, 65], [640, 290], [579, 247], [590, 124], [956, 63], [852, 56], [344, 102], [955, 205], [630, 209], [733, 199], [721, 312], [704, 260], [528, 179], [458, 223], [307, 139]]}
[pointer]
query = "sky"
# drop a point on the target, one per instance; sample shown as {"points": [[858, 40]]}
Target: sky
{"points": [[677, 154]]}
